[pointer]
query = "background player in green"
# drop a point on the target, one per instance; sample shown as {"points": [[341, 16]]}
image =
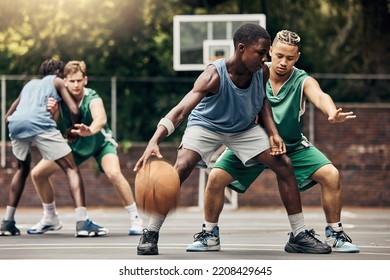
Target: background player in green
{"points": [[94, 140], [30, 123], [287, 90]]}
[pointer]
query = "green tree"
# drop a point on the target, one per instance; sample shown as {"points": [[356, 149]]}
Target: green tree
{"points": [[133, 41]]}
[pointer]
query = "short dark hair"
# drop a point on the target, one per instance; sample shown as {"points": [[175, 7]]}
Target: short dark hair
{"points": [[51, 67], [249, 33]]}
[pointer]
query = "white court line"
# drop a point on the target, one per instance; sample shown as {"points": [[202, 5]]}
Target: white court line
{"points": [[165, 245], [225, 249], [348, 214]]}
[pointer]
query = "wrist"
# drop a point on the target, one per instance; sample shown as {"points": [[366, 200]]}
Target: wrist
{"points": [[167, 123]]}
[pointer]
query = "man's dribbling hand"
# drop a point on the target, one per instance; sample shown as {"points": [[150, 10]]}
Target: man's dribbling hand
{"points": [[151, 150]]}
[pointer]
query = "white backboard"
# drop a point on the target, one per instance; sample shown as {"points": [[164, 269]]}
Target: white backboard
{"points": [[193, 33]]}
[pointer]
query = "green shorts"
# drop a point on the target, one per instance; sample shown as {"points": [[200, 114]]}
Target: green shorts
{"points": [[107, 148], [304, 160]]}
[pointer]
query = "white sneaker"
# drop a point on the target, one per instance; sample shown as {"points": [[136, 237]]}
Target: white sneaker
{"points": [[45, 224], [136, 227], [205, 241], [340, 241]]}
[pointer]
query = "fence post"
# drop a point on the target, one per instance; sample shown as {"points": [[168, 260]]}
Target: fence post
{"points": [[312, 123], [113, 105], [3, 126]]}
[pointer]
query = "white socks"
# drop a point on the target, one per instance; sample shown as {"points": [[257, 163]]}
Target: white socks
{"points": [[209, 226], [81, 213], [10, 213], [133, 211], [49, 210], [155, 222], [297, 223], [336, 226]]}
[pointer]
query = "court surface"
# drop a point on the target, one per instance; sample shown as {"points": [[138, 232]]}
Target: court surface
{"points": [[246, 234]]}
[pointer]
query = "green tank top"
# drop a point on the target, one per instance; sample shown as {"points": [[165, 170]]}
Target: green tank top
{"points": [[87, 146], [288, 106]]}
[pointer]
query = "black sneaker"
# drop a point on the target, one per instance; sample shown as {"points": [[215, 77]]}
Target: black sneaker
{"points": [[148, 243], [305, 242], [8, 228]]}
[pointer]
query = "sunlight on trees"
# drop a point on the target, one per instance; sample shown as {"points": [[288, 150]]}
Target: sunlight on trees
{"points": [[134, 39]]}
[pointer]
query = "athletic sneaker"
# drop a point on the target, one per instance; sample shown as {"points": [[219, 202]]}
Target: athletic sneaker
{"points": [[205, 241], [340, 241], [45, 224], [8, 228], [148, 243], [136, 227], [89, 229], [305, 242]]}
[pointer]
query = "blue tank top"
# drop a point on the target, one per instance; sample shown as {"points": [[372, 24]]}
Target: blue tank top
{"points": [[31, 116], [232, 109]]}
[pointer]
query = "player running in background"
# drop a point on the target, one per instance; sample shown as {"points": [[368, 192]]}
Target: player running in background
{"points": [[94, 140], [30, 122]]}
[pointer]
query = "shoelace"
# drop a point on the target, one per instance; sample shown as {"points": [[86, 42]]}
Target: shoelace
{"points": [[343, 237], [150, 237], [201, 235], [311, 233]]}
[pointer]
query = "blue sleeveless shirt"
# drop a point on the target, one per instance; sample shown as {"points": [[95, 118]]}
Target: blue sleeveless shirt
{"points": [[232, 109], [31, 116]]}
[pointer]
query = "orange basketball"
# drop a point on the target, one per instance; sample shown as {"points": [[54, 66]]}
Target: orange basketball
{"points": [[157, 187]]}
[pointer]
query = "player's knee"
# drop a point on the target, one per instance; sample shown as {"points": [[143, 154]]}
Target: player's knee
{"points": [[184, 169], [333, 172], [286, 166], [113, 174], [24, 167], [328, 174], [35, 174], [220, 176], [215, 182]]}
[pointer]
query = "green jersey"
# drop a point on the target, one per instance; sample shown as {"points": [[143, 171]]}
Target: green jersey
{"points": [[85, 147], [288, 105]]}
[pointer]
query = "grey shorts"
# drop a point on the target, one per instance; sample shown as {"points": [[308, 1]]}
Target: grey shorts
{"points": [[51, 145], [245, 145]]}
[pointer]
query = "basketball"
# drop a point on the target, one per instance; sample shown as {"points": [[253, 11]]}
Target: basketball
{"points": [[157, 187]]}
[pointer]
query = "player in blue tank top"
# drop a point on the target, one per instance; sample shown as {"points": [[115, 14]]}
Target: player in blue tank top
{"points": [[94, 140], [222, 105], [29, 122], [287, 91]]}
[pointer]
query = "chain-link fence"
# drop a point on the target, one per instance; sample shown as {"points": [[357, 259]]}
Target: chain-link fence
{"points": [[135, 104]]}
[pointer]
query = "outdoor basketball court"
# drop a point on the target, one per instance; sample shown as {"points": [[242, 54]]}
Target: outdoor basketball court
{"points": [[253, 236], [252, 239]]}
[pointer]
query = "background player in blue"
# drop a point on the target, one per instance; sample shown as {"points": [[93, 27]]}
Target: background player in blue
{"points": [[94, 140], [287, 90], [222, 106], [30, 122]]}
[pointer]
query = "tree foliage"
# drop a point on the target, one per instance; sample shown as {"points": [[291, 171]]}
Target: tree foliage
{"points": [[133, 40]]}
